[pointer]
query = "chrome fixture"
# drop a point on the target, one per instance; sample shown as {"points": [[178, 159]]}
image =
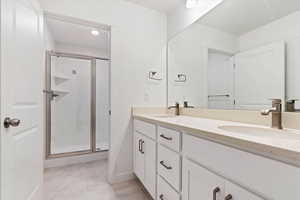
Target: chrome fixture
{"points": [[152, 75], [229, 197], [51, 93], [291, 105], [215, 192], [176, 107], [186, 105], [181, 78], [276, 111]]}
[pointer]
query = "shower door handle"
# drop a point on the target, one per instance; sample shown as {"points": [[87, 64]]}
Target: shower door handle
{"points": [[51, 93], [48, 91]]}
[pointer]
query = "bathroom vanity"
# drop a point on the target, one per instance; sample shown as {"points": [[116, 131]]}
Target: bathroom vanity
{"points": [[188, 158]]}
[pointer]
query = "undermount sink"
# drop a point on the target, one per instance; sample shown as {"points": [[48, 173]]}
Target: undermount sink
{"points": [[263, 132]]}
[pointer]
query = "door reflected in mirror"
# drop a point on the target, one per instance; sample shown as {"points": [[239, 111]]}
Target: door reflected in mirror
{"points": [[239, 56]]}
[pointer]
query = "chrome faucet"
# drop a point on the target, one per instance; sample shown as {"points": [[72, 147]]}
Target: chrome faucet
{"points": [[176, 107], [276, 111]]}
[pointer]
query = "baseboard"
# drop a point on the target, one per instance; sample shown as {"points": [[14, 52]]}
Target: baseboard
{"points": [[59, 162], [121, 177]]}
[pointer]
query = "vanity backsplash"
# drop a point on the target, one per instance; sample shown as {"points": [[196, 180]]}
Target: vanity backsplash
{"points": [[289, 120]]}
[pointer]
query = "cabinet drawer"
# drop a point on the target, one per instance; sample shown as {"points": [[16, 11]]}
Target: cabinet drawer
{"points": [[168, 165], [165, 191], [269, 178], [145, 128], [169, 138]]}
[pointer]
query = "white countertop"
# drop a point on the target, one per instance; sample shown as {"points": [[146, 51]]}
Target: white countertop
{"points": [[281, 145]]}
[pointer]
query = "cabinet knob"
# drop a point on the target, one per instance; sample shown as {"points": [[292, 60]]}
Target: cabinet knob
{"points": [[161, 197], [215, 191], [228, 197]]}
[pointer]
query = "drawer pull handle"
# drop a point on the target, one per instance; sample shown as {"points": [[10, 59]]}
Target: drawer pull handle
{"points": [[165, 137], [142, 146], [165, 166], [215, 191], [161, 197], [140, 149], [228, 197]]}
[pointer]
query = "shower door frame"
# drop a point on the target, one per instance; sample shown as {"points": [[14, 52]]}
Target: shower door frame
{"points": [[93, 60]]}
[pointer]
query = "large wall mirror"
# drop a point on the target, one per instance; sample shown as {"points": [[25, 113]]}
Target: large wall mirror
{"points": [[239, 56]]}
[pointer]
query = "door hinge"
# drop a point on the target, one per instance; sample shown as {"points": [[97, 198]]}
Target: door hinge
{"points": [[233, 102], [109, 112]]}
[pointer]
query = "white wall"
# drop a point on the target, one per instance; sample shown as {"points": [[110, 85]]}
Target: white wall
{"points": [[48, 39], [138, 43], [188, 54], [76, 49], [285, 29], [182, 17]]}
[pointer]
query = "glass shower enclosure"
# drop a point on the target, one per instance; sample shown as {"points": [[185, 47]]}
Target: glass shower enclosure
{"points": [[77, 104]]}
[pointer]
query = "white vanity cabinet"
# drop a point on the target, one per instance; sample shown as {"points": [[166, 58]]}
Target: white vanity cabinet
{"points": [[139, 156], [200, 183], [145, 157], [176, 165], [238, 193]]}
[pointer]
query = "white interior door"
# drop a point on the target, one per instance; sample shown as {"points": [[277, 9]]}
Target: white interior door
{"points": [[260, 76], [22, 62], [220, 77]]}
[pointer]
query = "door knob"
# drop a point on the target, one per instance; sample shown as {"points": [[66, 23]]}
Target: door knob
{"points": [[11, 122]]}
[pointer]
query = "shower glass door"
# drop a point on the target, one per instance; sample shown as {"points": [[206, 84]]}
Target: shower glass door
{"points": [[71, 87], [77, 105]]}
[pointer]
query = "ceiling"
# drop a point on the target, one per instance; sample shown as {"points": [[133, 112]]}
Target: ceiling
{"points": [[241, 16], [77, 34], [165, 6]]}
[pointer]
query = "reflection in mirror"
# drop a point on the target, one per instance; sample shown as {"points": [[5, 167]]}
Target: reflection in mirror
{"points": [[239, 56]]}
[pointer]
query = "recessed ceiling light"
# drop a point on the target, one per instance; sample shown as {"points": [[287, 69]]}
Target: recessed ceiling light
{"points": [[95, 32]]}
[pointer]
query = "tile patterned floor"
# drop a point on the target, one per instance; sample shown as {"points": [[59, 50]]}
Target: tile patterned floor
{"points": [[88, 182]]}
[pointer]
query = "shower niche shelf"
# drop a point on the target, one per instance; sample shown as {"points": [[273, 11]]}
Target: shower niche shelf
{"points": [[60, 78], [60, 92]]}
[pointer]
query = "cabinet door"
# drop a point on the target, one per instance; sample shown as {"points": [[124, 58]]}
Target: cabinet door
{"points": [[139, 154], [200, 184], [234, 192], [149, 147]]}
